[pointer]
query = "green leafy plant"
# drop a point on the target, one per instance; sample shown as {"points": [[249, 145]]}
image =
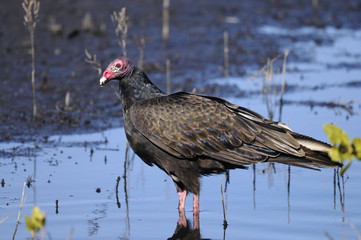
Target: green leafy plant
{"points": [[343, 149], [35, 222]]}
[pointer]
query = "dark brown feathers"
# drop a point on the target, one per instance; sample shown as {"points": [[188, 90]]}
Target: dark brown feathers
{"points": [[190, 126], [188, 135]]}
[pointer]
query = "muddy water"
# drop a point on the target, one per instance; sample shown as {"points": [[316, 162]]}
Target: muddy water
{"points": [[274, 202]]}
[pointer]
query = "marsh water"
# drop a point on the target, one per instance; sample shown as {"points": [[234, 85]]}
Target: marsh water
{"points": [[91, 187]]}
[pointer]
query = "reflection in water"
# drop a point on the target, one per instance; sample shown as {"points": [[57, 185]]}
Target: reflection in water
{"points": [[34, 185], [93, 228], [341, 190], [125, 176], [183, 229], [185, 232], [338, 184], [270, 171], [100, 212], [254, 186], [226, 192], [100, 216], [288, 194]]}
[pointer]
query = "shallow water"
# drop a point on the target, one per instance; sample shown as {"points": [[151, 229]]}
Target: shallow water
{"points": [[259, 202]]}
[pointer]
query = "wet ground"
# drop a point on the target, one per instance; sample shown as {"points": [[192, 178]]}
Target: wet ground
{"points": [[75, 154], [195, 48]]}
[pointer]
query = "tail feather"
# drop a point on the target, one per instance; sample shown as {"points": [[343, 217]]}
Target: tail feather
{"points": [[311, 143], [312, 159]]}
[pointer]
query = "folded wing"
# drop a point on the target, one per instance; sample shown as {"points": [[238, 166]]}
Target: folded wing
{"points": [[190, 126]]}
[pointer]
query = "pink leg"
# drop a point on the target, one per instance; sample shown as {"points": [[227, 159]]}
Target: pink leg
{"points": [[195, 211], [182, 199], [182, 216], [182, 221]]}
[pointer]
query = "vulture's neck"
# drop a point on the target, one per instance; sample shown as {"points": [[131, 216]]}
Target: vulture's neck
{"points": [[137, 87]]}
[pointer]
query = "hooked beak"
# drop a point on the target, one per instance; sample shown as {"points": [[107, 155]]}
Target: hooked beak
{"points": [[103, 81]]}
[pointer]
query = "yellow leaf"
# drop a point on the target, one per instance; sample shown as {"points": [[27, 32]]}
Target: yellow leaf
{"points": [[333, 133], [35, 222], [344, 168], [357, 146], [38, 218], [336, 135], [345, 152], [345, 140], [334, 154], [30, 226]]}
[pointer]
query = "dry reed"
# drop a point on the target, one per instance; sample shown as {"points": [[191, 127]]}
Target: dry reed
{"points": [[226, 53], [67, 100], [92, 59], [4, 219], [121, 28], [225, 224], [273, 94], [70, 234], [353, 226], [31, 18], [165, 27], [140, 46], [22, 202], [168, 75]]}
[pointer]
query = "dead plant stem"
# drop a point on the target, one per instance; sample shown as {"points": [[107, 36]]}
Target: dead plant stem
{"points": [[22, 202], [284, 72], [121, 28], [31, 18], [70, 234], [33, 73], [226, 53], [4, 219], [165, 27], [224, 210], [168, 75]]}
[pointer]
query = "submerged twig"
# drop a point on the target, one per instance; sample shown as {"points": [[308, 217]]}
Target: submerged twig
{"points": [[116, 192]]}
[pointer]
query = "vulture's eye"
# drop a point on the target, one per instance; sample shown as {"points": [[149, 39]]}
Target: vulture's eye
{"points": [[117, 65]]}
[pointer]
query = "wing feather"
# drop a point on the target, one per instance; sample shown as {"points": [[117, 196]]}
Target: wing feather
{"points": [[189, 125]]}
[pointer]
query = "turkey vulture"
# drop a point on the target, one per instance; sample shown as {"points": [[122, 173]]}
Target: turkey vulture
{"points": [[189, 135]]}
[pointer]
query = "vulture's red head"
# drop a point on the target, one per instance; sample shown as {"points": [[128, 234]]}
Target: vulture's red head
{"points": [[117, 69]]}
